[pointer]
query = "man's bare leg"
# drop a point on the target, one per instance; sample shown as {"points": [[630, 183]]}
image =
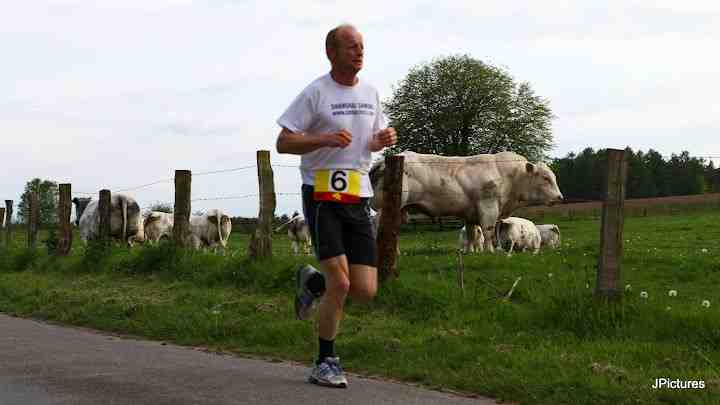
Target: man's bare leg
{"points": [[337, 286], [363, 283]]}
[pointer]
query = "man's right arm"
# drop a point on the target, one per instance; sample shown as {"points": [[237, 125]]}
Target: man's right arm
{"points": [[302, 143]]}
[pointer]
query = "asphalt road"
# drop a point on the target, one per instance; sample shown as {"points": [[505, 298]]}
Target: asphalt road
{"points": [[41, 363]]}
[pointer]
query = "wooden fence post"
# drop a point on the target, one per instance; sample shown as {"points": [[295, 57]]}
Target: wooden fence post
{"points": [[389, 227], [2, 224], [33, 219], [64, 208], [181, 212], [8, 222], [104, 205], [261, 239], [611, 236]]}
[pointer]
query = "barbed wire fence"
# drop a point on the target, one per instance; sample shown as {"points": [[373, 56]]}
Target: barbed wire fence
{"points": [[612, 223]]}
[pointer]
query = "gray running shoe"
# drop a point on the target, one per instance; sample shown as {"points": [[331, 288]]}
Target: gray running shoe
{"points": [[329, 373], [304, 298]]}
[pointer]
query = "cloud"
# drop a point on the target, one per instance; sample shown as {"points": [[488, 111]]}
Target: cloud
{"points": [[122, 93]]}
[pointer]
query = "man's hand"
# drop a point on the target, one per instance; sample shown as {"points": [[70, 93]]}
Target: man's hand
{"points": [[339, 139], [383, 138]]}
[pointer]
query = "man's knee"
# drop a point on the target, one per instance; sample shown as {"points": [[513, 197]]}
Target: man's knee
{"points": [[338, 285]]}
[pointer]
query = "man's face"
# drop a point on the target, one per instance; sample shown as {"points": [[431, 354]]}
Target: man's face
{"points": [[349, 51]]}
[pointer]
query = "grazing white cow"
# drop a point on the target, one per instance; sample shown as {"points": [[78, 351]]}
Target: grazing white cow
{"points": [[550, 234], [298, 233], [125, 219], [211, 229], [515, 233], [158, 225], [480, 189], [471, 244]]}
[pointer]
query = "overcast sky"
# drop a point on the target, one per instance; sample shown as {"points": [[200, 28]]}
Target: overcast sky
{"points": [[117, 94]]}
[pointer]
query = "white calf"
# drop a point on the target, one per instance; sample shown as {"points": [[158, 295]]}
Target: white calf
{"points": [[518, 233], [550, 234], [211, 229], [298, 233], [474, 245], [158, 225]]}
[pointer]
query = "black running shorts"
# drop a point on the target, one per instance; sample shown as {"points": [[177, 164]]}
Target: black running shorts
{"points": [[340, 229]]}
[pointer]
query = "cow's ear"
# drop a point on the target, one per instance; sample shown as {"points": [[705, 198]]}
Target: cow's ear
{"points": [[556, 230], [75, 200], [529, 167]]}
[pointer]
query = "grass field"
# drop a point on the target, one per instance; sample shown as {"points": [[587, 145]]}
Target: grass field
{"points": [[552, 343]]}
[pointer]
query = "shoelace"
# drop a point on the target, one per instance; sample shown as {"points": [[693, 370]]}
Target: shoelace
{"points": [[326, 369], [336, 368]]}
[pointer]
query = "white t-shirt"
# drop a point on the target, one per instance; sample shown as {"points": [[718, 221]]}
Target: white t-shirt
{"points": [[327, 106]]}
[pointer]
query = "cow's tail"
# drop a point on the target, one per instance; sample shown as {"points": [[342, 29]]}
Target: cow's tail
{"points": [[218, 216], [123, 202]]}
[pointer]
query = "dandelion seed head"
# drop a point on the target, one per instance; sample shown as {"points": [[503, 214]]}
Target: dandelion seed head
{"points": [[643, 294], [672, 293], [706, 303]]}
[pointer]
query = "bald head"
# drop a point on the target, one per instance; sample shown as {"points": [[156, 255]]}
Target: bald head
{"points": [[345, 50], [332, 38]]}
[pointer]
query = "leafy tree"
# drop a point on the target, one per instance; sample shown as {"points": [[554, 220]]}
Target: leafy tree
{"points": [[640, 183], [582, 176], [459, 106], [47, 191], [660, 173], [712, 178], [162, 207]]}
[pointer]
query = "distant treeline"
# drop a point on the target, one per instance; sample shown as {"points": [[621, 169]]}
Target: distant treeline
{"points": [[582, 176]]}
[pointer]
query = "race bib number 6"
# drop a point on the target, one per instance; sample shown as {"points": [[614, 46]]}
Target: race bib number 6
{"points": [[337, 185]]}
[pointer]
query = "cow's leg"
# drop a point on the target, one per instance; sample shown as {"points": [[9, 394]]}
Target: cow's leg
{"points": [[488, 230], [295, 247], [487, 214], [195, 242], [512, 245], [470, 237]]}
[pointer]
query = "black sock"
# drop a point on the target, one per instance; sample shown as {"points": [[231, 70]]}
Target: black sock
{"points": [[316, 284], [327, 349]]}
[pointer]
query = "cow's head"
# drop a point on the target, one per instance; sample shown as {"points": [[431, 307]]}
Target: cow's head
{"points": [[80, 205], [541, 186]]}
